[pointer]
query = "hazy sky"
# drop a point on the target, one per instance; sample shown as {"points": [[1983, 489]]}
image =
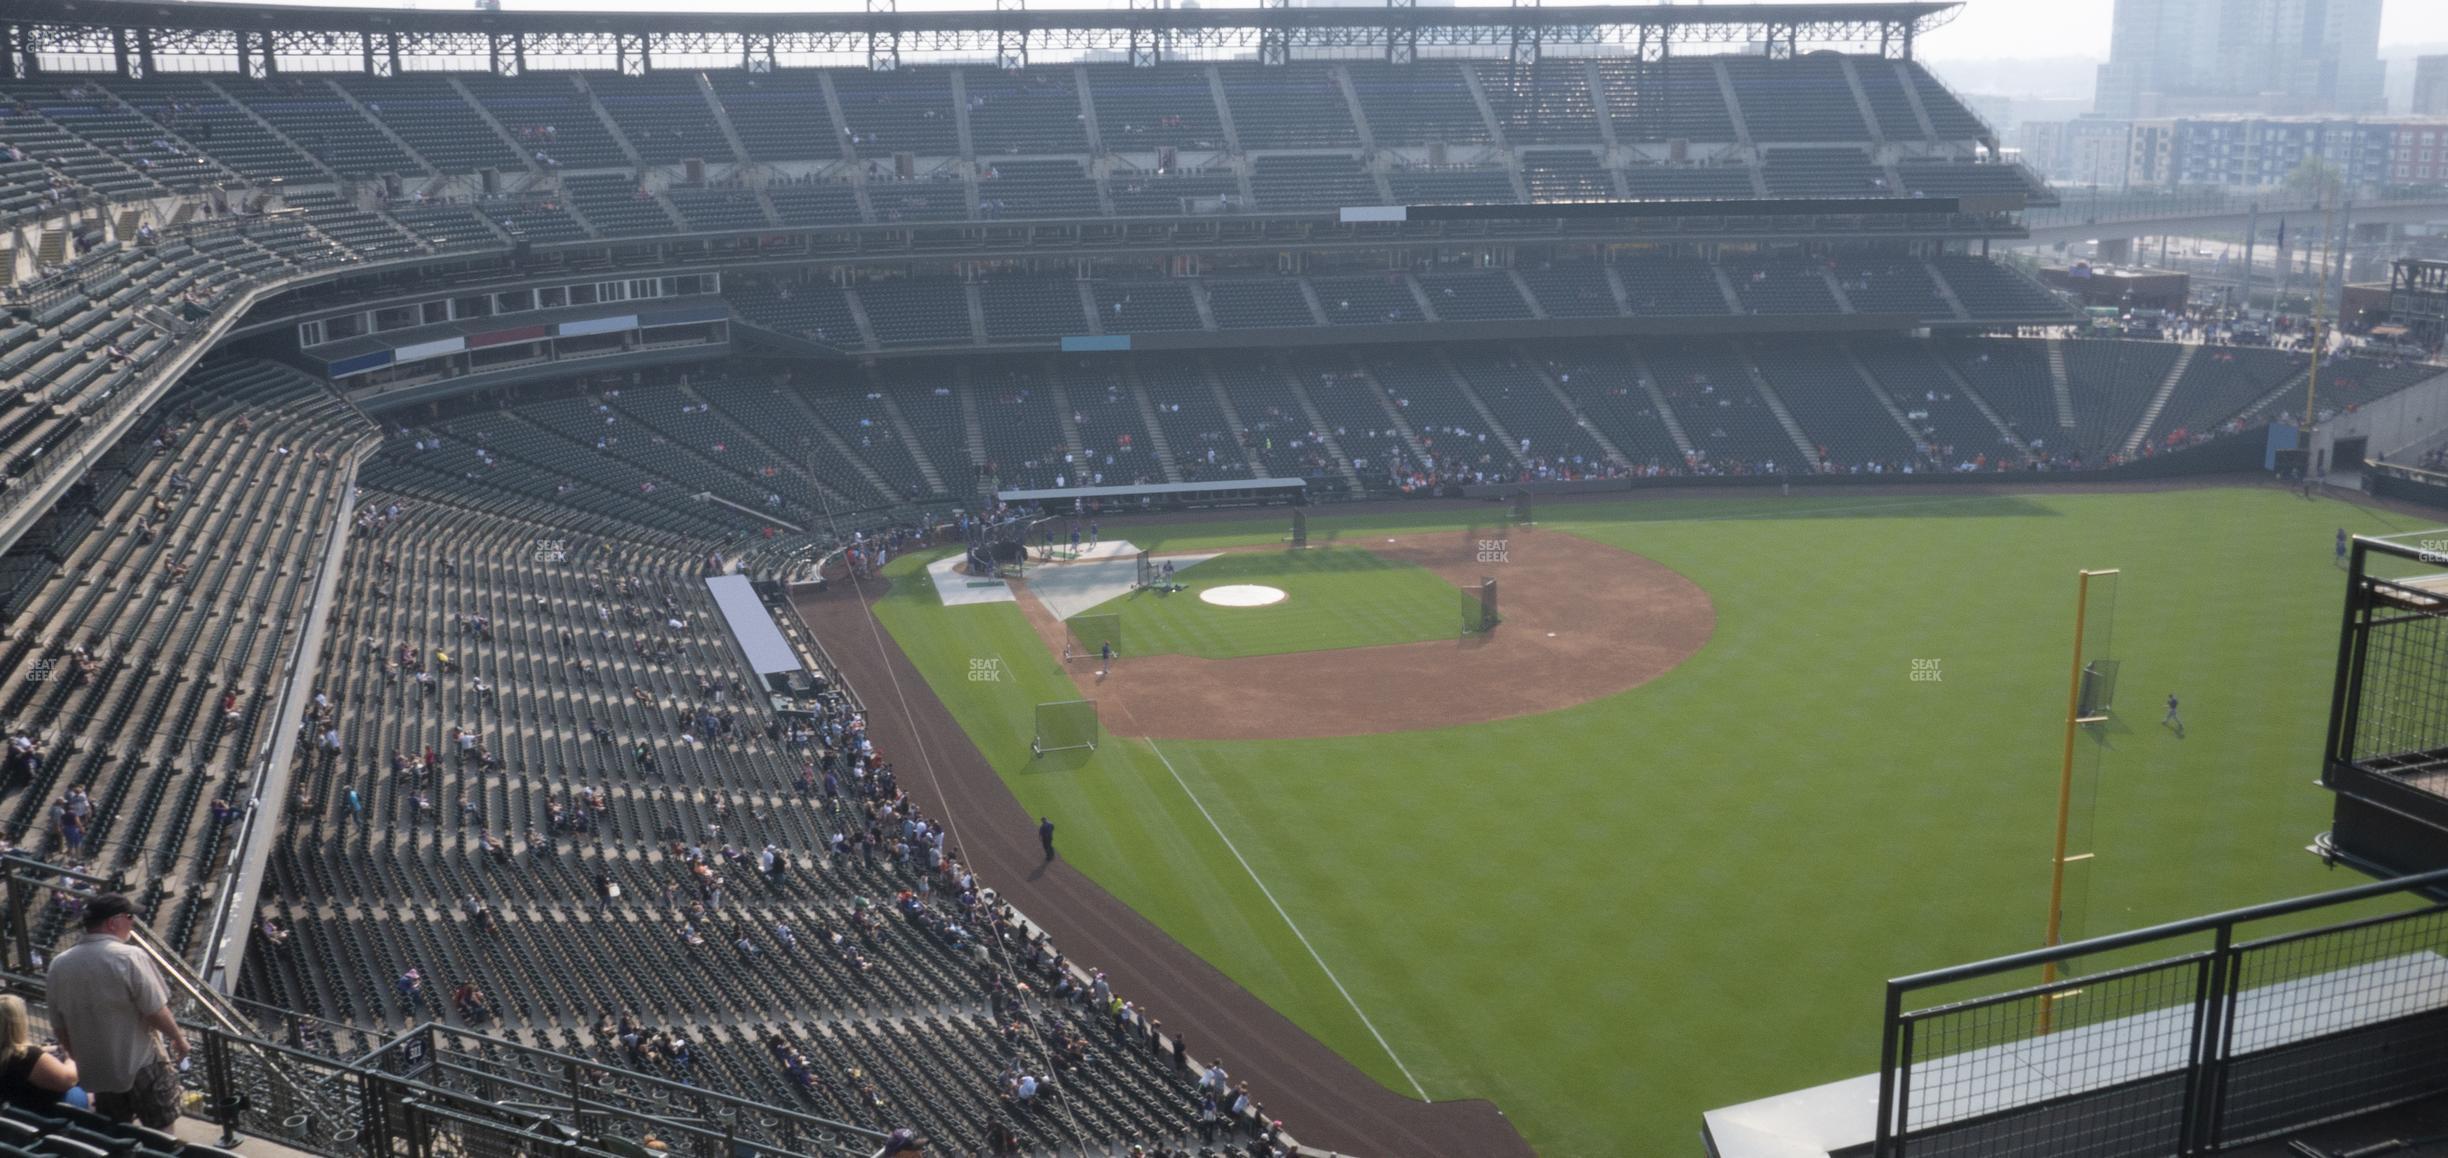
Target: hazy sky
{"points": [[1994, 28], [1984, 29]]}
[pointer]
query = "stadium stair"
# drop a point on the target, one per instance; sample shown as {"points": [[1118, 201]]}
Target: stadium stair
{"points": [[526, 156], [1665, 413], [1844, 303], [1886, 401], [1088, 304], [858, 318], [1614, 453], [1281, 377], [973, 427], [1495, 124], [2159, 399], [1235, 423], [977, 313], [775, 454], [242, 108], [1538, 309], [1947, 292], [1461, 383], [1351, 101], [2061, 382], [1861, 101], [2291, 388], [931, 470], [1776, 405], [1734, 108], [840, 123], [960, 114], [1964, 386], [1205, 305], [1066, 417], [1600, 113], [1089, 122], [722, 120], [611, 127], [1725, 285], [1912, 96], [1377, 391], [388, 133], [1615, 286], [1309, 294], [1157, 442]]}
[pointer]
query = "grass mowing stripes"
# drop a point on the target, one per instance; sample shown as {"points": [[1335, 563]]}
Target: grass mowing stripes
{"points": [[1613, 917], [1336, 597], [1122, 818]]}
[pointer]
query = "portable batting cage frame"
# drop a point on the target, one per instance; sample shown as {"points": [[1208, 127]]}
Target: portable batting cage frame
{"points": [[1299, 537], [1147, 572], [1085, 636], [2097, 698], [1065, 726], [1480, 612]]}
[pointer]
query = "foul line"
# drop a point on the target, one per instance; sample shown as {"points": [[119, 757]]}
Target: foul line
{"points": [[1287, 920]]}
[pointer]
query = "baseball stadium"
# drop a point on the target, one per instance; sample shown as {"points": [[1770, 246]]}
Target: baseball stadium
{"points": [[1187, 582]]}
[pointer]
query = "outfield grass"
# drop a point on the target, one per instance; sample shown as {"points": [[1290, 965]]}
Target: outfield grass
{"points": [[1613, 917], [1335, 597]]}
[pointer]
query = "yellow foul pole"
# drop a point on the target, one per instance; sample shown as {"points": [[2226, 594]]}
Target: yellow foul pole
{"points": [[2065, 791], [2319, 302]]}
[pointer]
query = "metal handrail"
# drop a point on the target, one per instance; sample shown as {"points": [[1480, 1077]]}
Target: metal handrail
{"points": [[2436, 879]]}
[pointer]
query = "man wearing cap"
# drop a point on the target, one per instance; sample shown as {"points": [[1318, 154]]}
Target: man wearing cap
{"points": [[112, 1014]]}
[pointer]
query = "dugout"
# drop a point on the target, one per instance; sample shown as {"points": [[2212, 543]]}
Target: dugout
{"points": [[1260, 492]]}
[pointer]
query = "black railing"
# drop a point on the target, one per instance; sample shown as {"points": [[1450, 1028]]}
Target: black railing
{"points": [[2180, 1039], [435, 1086]]}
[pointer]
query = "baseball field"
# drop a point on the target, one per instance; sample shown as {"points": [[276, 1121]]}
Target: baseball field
{"points": [[1727, 764]]}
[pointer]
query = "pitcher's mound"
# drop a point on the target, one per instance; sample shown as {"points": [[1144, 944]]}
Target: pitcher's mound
{"points": [[1242, 595]]}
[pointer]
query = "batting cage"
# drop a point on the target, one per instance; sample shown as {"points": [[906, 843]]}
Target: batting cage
{"points": [[1300, 528], [1147, 572], [1065, 725], [1479, 610], [1518, 510], [1086, 637], [2098, 695]]}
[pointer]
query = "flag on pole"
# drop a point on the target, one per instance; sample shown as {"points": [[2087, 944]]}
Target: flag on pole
{"points": [[2282, 233]]}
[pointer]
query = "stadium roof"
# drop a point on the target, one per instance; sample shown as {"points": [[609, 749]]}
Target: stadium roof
{"points": [[121, 13], [1276, 34]]}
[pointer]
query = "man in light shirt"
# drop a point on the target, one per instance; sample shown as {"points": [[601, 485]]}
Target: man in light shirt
{"points": [[112, 1015]]}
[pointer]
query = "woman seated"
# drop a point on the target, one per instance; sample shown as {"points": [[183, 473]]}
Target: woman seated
{"points": [[31, 1077]]}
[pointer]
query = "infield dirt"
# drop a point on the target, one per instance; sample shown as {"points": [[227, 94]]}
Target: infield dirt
{"points": [[1581, 621]]}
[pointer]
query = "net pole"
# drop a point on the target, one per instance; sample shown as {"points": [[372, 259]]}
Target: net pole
{"points": [[2065, 794]]}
